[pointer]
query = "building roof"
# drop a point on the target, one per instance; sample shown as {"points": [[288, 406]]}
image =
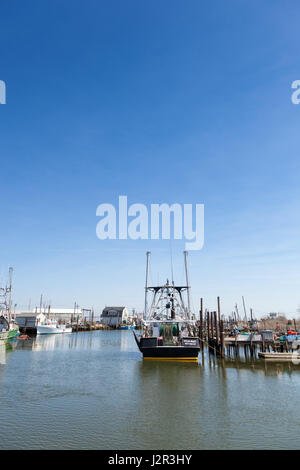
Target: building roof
{"points": [[118, 309], [53, 311], [29, 314]]}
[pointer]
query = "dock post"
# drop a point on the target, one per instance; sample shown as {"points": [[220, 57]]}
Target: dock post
{"points": [[216, 342], [219, 321], [208, 328], [201, 324], [211, 328], [221, 330], [222, 338]]}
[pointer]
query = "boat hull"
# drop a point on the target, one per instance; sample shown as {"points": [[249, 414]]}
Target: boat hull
{"points": [[51, 330], [13, 333], [187, 352], [176, 353], [6, 335]]}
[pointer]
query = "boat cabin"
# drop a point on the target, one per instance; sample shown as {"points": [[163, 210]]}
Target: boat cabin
{"points": [[4, 325], [169, 332]]}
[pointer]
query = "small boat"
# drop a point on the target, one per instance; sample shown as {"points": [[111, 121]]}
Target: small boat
{"points": [[169, 330], [127, 327], [51, 327]]}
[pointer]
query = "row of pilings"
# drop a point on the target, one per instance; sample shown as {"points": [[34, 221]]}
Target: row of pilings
{"points": [[211, 330]]}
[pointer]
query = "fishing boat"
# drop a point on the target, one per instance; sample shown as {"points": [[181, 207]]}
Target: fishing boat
{"points": [[50, 327], [168, 327], [8, 330]]}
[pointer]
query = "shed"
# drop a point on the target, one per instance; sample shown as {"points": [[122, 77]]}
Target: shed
{"points": [[30, 319], [114, 316]]}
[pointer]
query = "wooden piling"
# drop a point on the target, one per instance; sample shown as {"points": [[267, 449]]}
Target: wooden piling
{"points": [[222, 338], [201, 324], [207, 327]]}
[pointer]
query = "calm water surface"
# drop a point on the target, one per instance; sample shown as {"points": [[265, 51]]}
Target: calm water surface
{"points": [[92, 390]]}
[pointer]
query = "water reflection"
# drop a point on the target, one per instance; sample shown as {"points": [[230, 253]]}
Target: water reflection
{"points": [[124, 343], [5, 348], [93, 390]]}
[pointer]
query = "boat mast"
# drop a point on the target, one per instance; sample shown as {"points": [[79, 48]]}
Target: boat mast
{"points": [[10, 294], [187, 282], [146, 285], [245, 312]]}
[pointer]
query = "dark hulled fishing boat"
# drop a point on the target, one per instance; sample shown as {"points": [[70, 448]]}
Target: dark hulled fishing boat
{"points": [[168, 326]]}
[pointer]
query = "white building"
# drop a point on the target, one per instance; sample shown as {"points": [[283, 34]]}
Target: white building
{"points": [[114, 316], [62, 315]]}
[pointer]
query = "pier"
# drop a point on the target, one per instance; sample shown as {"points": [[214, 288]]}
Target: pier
{"points": [[229, 337]]}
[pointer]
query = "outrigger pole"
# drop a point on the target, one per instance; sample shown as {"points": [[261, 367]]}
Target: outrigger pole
{"points": [[146, 285], [187, 281]]}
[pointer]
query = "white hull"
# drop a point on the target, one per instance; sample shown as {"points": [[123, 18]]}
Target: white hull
{"points": [[3, 335], [52, 330]]}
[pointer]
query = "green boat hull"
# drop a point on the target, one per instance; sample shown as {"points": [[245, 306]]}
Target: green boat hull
{"points": [[13, 333]]}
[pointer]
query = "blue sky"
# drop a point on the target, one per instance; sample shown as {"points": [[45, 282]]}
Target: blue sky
{"points": [[171, 101]]}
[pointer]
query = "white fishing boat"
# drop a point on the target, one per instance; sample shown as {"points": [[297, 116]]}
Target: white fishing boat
{"points": [[51, 327]]}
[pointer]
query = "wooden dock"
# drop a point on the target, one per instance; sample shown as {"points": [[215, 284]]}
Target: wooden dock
{"points": [[88, 327], [217, 333], [280, 356]]}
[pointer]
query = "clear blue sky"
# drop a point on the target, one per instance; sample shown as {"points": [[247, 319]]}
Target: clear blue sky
{"points": [[166, 101]]}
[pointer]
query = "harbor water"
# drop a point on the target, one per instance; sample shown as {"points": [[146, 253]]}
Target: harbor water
{"points": [[92, 390]]}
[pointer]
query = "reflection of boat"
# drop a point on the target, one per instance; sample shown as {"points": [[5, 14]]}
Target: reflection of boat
{"points": [[168, 327], [8, 330], [52, 327]]}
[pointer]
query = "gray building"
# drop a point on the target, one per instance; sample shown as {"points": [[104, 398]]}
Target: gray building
{"points": [[29, 319], [114, 316]]}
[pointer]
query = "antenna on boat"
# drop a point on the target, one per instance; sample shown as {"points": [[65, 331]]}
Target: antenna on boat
{"points": [[146, 285], [187, 281], [171, 255]]}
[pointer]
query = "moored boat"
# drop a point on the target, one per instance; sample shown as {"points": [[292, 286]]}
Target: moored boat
{"points": [[169, 331], [8, 330], [127, 327], [52, 327]]}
